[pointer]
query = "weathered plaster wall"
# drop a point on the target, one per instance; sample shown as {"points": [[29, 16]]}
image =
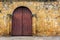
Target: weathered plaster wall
{"points": [[46, 21]]}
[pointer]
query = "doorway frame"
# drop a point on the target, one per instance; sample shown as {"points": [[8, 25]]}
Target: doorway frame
{"points": [[13, 16]]}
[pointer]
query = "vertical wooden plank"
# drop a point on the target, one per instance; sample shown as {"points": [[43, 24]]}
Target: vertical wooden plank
{"points": [[17, 22], [27, 22]]}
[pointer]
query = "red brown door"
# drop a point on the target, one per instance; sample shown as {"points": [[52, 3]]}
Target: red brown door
{"points": [[27, 23], [22, 22]]}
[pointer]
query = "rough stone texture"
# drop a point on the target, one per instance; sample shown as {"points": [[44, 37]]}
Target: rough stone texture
{"points": [[46, 22]]}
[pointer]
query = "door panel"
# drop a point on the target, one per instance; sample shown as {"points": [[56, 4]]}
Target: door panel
{"points": [[17, 22], [27, 22]]}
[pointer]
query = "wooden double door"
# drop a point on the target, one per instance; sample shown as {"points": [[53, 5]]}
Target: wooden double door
{"points": [[22, 22]]}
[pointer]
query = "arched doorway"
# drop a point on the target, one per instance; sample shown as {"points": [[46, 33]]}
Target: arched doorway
{"points": [[22, 22]]}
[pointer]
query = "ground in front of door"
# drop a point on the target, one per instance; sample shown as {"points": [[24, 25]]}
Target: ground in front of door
{"points": [[29, 38]]}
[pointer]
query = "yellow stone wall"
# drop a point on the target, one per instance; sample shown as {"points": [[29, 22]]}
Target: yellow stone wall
{"points": [[46, 21]]}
